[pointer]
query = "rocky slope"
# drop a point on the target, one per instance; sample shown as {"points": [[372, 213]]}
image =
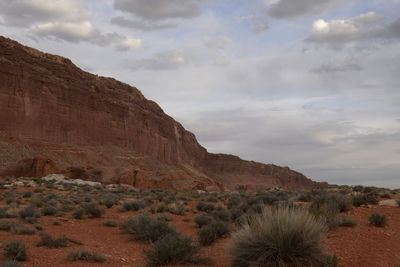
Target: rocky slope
{"points": [[84, 124]]}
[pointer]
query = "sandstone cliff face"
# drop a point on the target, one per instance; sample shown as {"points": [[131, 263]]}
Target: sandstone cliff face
{"points": [[47, 99]]}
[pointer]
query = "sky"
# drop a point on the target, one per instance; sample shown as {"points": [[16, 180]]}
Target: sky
{"points": [[309, 84]]}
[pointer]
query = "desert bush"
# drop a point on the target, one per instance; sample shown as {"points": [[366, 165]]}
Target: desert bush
{"points": [[305, 197], [110, 223], [236, 213], [378, 220], [328, 206], [365, 199], [177, 209], [267, 198], [109, 200], [161, 208], [10, 264], [347, 222], [29, 211], [221, 214], [211, 232], [78, 213], [16, 227], [203, 219], [206, 207], [86, 255], [234, 201], [49, 210], [358, 188], [15, 250], [398, 202], [27, 194], [282, 237], [145, 228], [52, 242], [163, 217], [385, 195], [93, 209], [174, 249], [133, 205], [3, 212]]}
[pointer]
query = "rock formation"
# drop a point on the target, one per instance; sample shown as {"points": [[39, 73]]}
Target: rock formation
{"points": [[57, 110]]}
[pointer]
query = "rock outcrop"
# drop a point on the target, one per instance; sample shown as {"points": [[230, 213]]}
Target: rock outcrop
{"points": [[45, 100]]}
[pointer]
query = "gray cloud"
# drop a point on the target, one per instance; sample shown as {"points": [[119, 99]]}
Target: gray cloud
{"points": [[141, 25], [27, 12], [161, 9], [289, 9], [328, 68]]}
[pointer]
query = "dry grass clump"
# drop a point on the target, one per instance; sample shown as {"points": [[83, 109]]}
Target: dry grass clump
{"points": [[282, 237]]}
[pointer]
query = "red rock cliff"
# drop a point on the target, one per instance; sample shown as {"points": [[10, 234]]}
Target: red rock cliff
{"points": [[46, 98]]}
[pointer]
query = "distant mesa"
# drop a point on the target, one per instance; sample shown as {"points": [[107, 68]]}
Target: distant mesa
{"points": [[57, 118]]}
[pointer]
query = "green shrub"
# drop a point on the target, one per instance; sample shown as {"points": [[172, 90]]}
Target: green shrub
{"points": [[145, 228], [86, 255], [27, 194], [358, 188], [109, 200], [347, 222], [328, 206], [16, 227], [161, 208], [398, 202], [51, 242], [174, 249], [282, 237], [211, 232], [378, 220], [236, 213], [15, 250], [110, 223]]}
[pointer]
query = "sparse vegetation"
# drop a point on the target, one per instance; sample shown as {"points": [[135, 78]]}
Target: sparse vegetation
{"points": [[15, 250], [86, 255], [52, 242], [145, 228], [282, 237], [211, 232], [110, 223], [174, 248], [378, 220]]}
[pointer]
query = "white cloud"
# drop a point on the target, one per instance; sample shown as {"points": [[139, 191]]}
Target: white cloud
{"points": [[129, 43], [337, 32]]}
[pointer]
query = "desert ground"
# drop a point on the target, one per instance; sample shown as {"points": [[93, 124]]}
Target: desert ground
{"points": [[94, 218]]}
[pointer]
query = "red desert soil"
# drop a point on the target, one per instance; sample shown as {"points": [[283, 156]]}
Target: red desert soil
{"points": [[363, 245]]}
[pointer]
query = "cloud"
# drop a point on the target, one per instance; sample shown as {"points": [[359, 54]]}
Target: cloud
{"points": [[167, 60], [289, 9], [340, 31], [141, 25], [259, 23], [28, 12], [84, 31], [337, 68], [154, 10]]}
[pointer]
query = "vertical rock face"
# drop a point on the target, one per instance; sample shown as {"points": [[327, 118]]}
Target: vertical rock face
{"points": [[47, 99]]}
